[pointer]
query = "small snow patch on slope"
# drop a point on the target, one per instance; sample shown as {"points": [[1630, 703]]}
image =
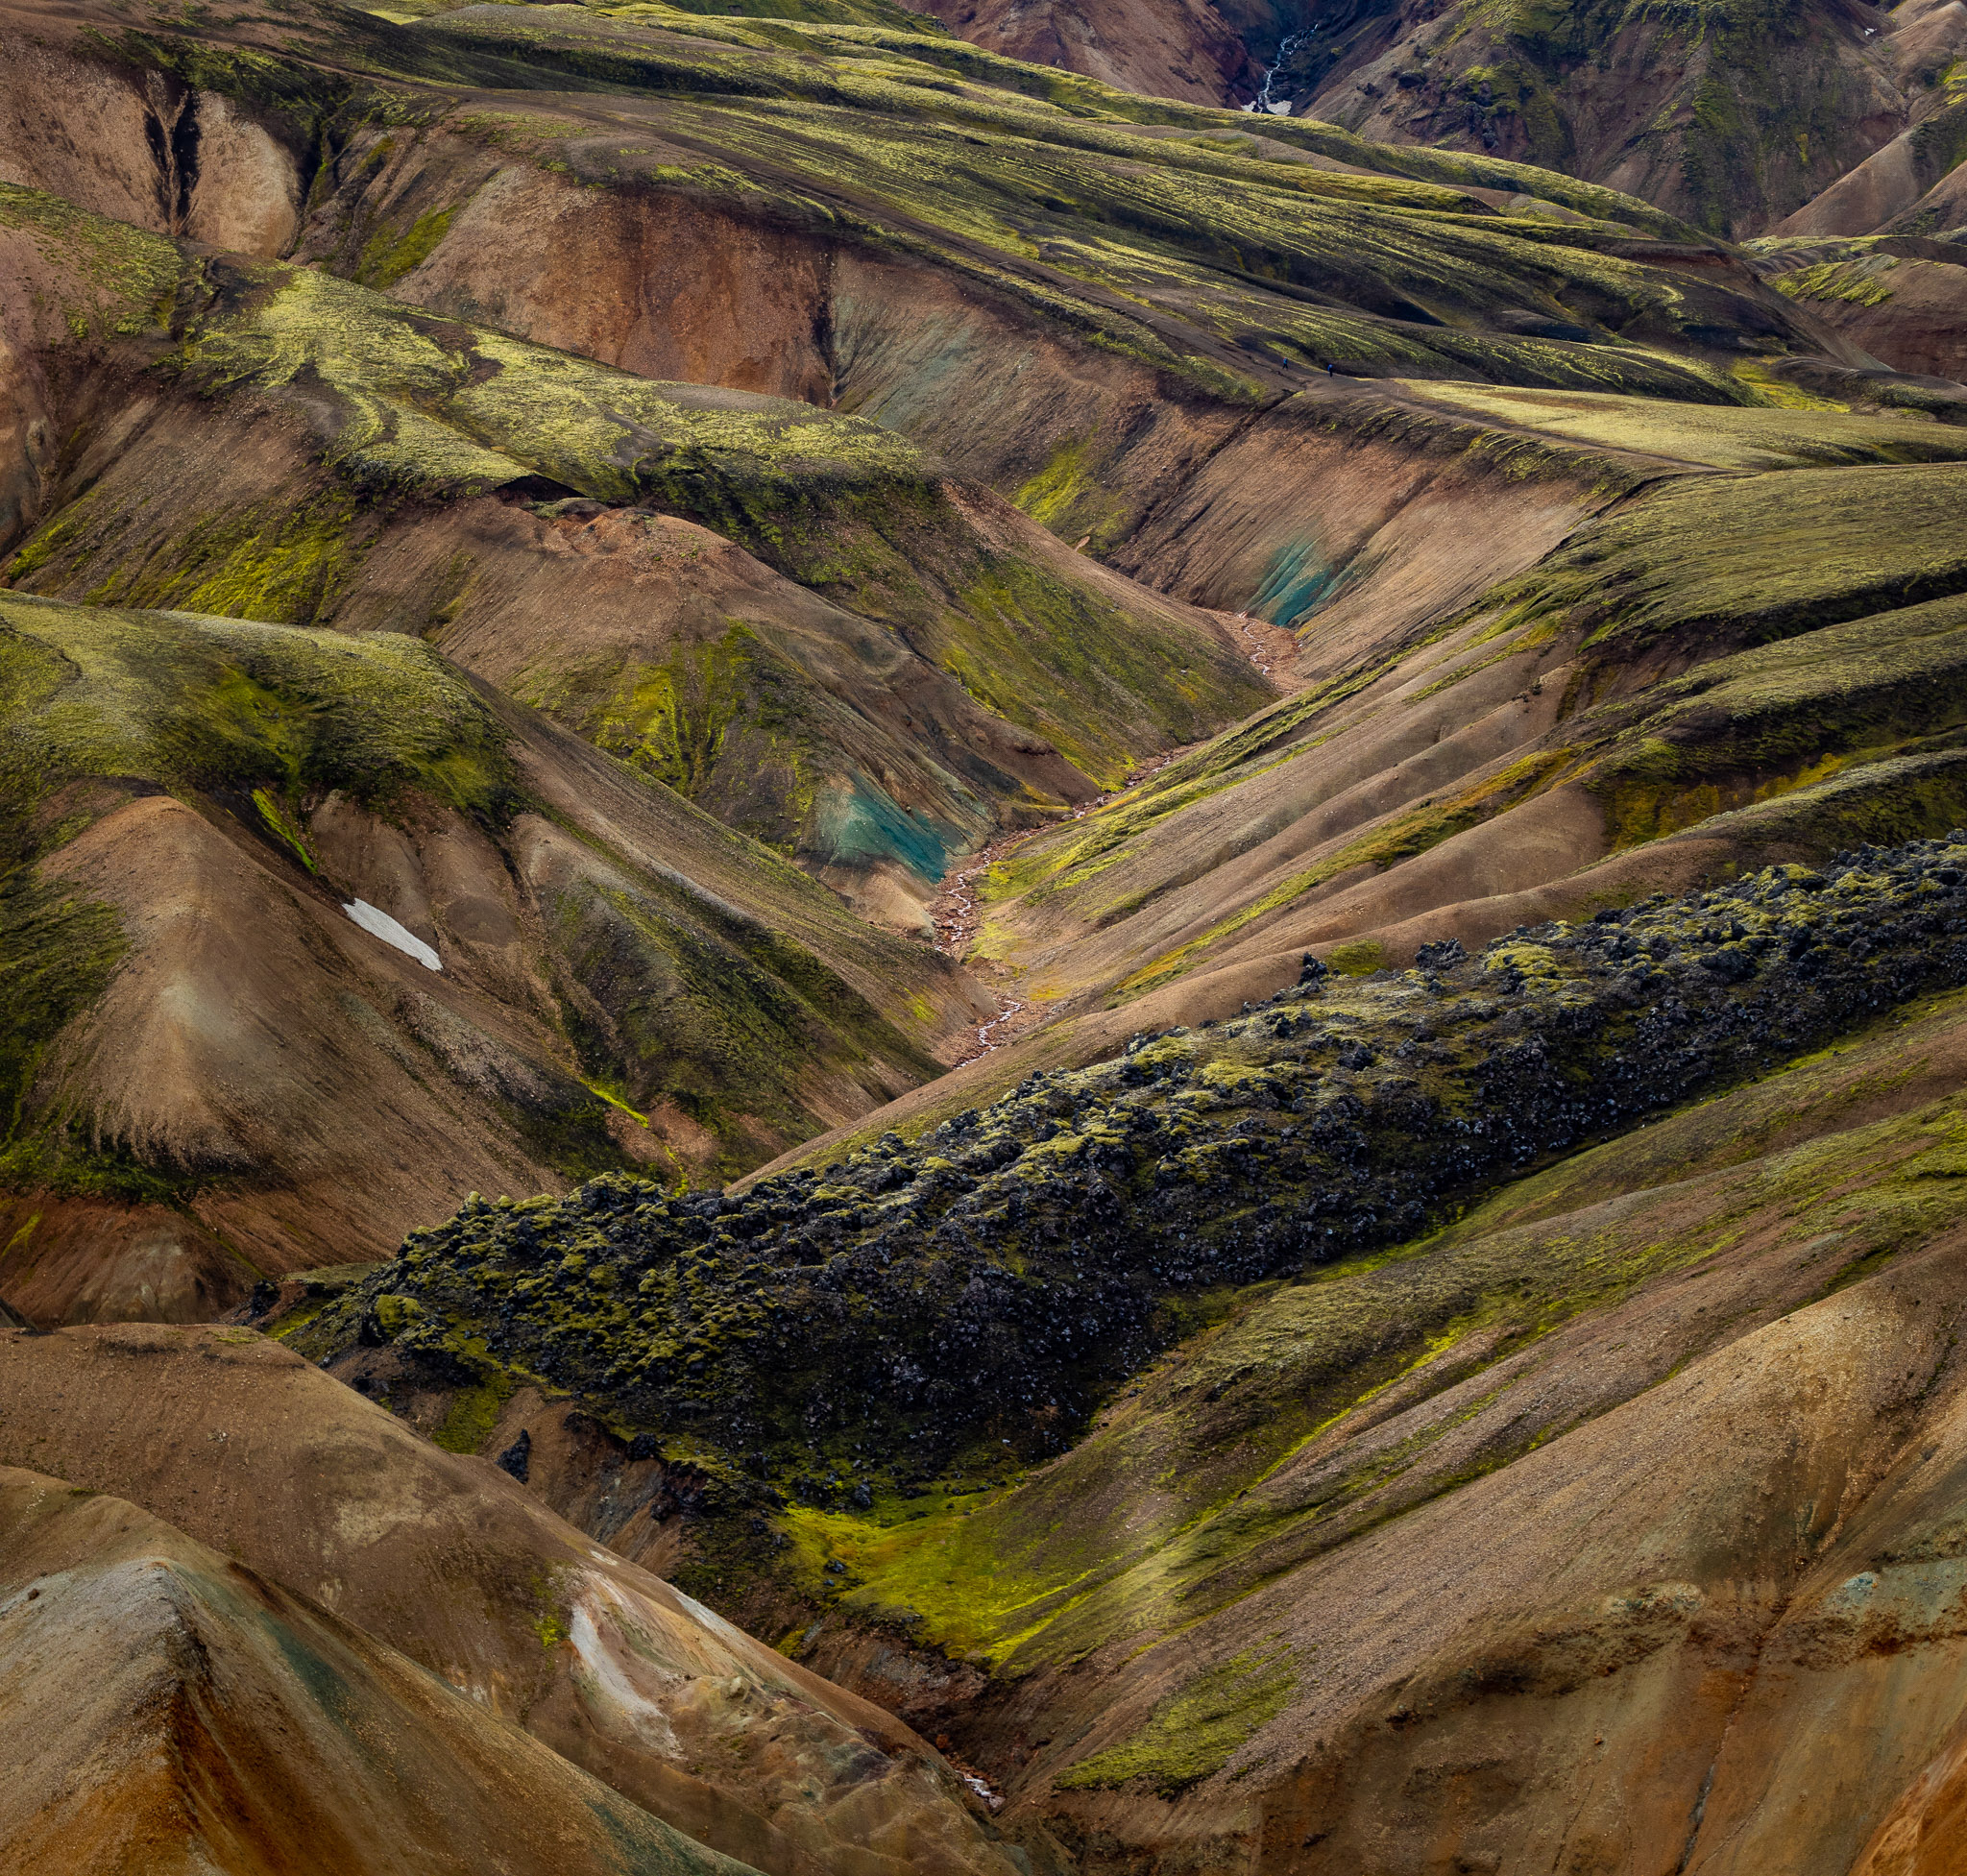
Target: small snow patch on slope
{"points": [[385, 927]]}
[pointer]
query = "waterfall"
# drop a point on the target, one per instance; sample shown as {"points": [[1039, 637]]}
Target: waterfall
{"points": [[1263, 101]]}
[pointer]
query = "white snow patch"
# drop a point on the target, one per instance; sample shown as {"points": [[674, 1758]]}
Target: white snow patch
{"points": [[381, 925]]}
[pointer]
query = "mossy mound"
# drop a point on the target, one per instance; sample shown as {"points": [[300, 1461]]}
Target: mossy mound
{"points": [[1704, 566], [217, 705], [860, 1326], [402, 415], [716, 985]]}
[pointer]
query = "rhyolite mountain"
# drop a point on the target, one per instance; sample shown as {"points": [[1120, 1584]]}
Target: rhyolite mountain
{"points": [[536, 540], [358, 355], [437, 1674], [1844, 117], [1388, 1542], [1734, 116]]}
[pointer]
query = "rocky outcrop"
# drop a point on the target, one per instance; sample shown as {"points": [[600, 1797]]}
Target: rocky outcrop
{"points": [[1176, 1642], [984, 1284], [1611, 1516], [1515, 1544]]}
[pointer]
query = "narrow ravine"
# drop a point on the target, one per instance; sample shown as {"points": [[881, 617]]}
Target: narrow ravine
{"points": [[1263, 103], [956, 913], [1255, 646]]}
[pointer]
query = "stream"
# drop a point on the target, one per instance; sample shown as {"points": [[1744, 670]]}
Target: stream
{"points": [[957, 910], [1263, 101]]}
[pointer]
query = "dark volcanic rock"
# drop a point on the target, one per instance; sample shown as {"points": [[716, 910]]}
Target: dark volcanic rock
{"points": [[516, 1458], [986, 1281]]}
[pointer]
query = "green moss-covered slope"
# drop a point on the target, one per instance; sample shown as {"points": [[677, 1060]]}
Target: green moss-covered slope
{"points": [[391, 416], [1749, 561], [1179, 251], [1203, 251], [650, 962], [192, 703], [1712, 642]]}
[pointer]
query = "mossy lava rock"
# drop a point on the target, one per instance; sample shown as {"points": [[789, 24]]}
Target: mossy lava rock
{"points": [[978, 1288]]}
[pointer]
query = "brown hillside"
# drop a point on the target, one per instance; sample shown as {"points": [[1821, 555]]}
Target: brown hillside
{"points": [[593, 594], [446, 1562], [169, 1710]]}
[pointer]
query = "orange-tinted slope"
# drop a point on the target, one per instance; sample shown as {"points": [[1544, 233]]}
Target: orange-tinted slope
{"points": [[169, 1711], [256, 1453], [1616, 1527]]}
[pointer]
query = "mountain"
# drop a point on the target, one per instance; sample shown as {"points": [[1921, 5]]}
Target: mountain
{"points": [[1200, 52], [913, 960], [1840, 116], [826, 624], [1613, 1521], [217, 1072], [1901, 296], [224, 1724], [1385, 1537], [435, 1635], [1730, 116], [386, 471]]}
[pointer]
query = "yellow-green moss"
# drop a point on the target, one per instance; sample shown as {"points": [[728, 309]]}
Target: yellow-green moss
{"points": [[124, 279], [1360, 958], [473, 1413], [206, 703], [1194, 1733], [276, 817], [389, 255], [1857, 283]]}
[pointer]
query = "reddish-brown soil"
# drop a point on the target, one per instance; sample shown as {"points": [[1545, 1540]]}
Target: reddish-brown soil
{"points": [[170, 1711]]}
